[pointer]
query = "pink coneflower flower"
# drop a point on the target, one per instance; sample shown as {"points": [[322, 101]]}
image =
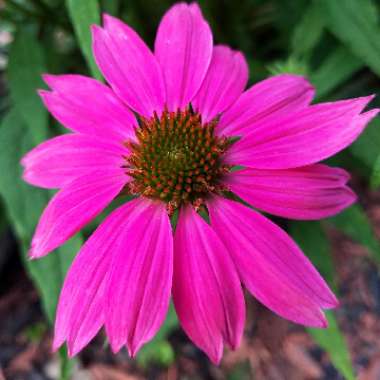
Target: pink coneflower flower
{"points": [[176, 130]]}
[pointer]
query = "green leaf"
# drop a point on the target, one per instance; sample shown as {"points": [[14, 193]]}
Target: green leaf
{"points": [[308, 31], [333, 342], [326, 78], [375, 177], [83, 14], [312, 239], [24, 204], [25, 66], [355, 23], [354, 222], [67, 365], [314, 242]]}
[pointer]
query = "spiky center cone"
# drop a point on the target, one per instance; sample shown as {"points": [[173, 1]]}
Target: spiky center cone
{"points": [[176, 158]]}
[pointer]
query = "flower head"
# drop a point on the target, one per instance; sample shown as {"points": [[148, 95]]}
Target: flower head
{"points": [[175, 130]]}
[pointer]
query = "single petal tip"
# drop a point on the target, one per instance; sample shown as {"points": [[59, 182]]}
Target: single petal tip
{"points": [[107, 19], [71, 352], [132, 351], [57, 343], [32, 254], [43, 93], [96, 30], [216, 357], [324, 322], [48, 78]]}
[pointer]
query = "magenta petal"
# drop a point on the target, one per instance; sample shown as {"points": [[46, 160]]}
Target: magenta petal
{"points": [[73, 207], [225, 80], [87, 106], [270, 264], [138, 291], [206, 289], [80, 312], [269, 99], [310, 192], [58, 161], [183, 48], [129, 66], [304, 138]]}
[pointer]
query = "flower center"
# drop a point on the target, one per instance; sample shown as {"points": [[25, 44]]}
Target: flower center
{"points": [[176, 158]]}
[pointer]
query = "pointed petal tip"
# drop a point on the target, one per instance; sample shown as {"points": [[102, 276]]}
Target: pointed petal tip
{"points": [[319, 322], [34, 252], [57, 342], [96, 32], [366, 117], [74, 347], [333, 302], [71, 351], [234, 344], [43, 93], [115, 348], [24, 160], [52, 79], [352, 197], [133, 349], [48, 79], [363, 101], [108, 20], [324, 322], [216, 357]]}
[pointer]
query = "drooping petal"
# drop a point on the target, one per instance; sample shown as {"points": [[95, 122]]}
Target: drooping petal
{"points": [[311, 192], [87, 106], [73, 207], [138, 291], [304, 138], [80, 312], [270, 264], [183, 48], [206, 289], [58, 161], [269, 99], [129, 66], [225, 80]]}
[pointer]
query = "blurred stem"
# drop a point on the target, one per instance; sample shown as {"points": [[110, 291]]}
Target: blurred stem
{"points": [[66, 364]]}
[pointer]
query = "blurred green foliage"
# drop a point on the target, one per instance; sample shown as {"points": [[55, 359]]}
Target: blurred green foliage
{"points": [[335, 43]]}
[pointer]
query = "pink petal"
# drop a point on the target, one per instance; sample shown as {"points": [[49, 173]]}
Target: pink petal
{"points": [[87, 106], [206, 289], [80, 313], [271, 98], [73, 207], [225, 80], [183, 48], [139, 286], [304, 138], [58, 161], [310, 192], [270, 264], [129, 66]]}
